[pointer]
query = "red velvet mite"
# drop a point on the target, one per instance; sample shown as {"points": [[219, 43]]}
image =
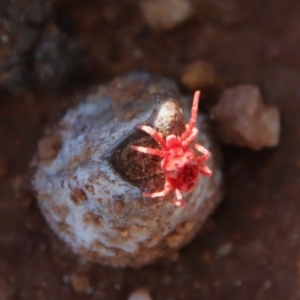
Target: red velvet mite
{"points": [[181, 164]]}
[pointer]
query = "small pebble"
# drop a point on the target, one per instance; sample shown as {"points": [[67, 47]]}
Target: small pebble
{"points": [[81, 284], [200, 75], [166, 14], [225, 250], [243, 119], [140, 294], [49, 146], [174, 240]]}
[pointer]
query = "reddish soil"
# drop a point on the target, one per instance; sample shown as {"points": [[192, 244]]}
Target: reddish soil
{"points": [[249, 249]]}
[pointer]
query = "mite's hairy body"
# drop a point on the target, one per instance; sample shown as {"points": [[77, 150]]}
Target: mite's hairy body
{"points": [[181, 164]]}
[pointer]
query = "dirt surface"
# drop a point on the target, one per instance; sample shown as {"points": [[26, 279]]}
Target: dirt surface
{"points": [[249, 249]]}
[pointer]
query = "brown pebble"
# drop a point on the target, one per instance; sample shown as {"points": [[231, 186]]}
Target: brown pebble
{"points": [[81, 284], [49, 147], [244, 120], [200, 75], [174, 240], [166, 14]]}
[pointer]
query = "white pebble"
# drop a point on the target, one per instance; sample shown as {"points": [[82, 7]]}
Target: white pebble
{"points": [[140, 294]]}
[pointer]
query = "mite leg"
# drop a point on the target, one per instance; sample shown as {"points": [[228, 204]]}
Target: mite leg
{"points": [[191, 137], [148, 150], [204, 170], [193, 119], [205, 152], [179, 202], [164, 192], [154, 134]]}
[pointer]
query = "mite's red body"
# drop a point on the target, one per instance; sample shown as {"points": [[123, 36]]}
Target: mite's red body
{"points": [[180, 164]]}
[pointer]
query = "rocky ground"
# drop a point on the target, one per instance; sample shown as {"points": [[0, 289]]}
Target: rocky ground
{"points": [[51, 52]]}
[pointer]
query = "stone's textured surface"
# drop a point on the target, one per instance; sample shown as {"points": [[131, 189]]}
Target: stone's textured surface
{"points": [[93, 199], [166, 14], [140, 294], [200, 75], [244, 120]]}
